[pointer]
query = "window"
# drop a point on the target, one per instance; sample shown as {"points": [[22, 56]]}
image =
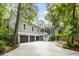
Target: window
{"points": [[24, 26], [41, 30], [45, 35], [32, 28]]}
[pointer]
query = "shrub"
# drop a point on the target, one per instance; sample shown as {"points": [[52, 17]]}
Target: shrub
{"points": [[7, 38], [51, 38], [66, 46], [2, 46]]}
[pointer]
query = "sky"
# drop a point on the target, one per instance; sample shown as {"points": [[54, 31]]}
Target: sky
{"points": [[41, 12]]}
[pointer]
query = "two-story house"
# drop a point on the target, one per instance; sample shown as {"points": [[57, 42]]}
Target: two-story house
{"points": [[28, 32]]}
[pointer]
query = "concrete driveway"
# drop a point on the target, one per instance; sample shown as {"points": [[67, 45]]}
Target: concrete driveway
{"points": [[40, 48]]}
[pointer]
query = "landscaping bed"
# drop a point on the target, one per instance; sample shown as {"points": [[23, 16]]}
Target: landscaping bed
{"points": [[61, 44], [8, 49]]}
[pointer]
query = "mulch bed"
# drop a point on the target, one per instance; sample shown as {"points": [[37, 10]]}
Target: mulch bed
{"points": [[75, 49], [8, 48], [64, 42], [61, 42]]}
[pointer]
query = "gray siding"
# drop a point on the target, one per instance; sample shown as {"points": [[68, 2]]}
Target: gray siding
{"points": [[28, 28]]}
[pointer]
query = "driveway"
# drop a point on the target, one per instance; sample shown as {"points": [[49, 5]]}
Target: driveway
{"points": [[40, 48]]}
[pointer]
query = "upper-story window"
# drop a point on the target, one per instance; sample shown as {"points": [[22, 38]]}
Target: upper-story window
{"points": [[32, 28], [41, 30], [24, 26]]}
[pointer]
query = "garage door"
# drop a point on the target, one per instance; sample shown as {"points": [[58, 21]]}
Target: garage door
{"points": [[23, 38], [37, 38], [32, 38]]}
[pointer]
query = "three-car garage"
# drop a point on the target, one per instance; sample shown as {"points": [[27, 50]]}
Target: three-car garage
{"points": [[26, 38]]}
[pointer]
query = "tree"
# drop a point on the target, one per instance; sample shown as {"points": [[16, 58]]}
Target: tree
{"points": [[73, 21], [2, 17], [67, 14], [26, 12], [17, 23]]}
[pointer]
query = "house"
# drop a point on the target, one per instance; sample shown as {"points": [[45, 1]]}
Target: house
{"points": [[28, 32]]}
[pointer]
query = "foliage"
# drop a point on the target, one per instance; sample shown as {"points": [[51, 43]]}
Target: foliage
{"points": [[64, 32], [51, 38], [4, 21], [68, 14], [64, 14], [2, 16], [57, 14], [66, 46], [30, 10], [7, 38], [2, 46]]}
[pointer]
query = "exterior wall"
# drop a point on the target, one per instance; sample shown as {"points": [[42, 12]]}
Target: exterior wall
{"points": [[28, 28], [29, 31], [31, 34]]}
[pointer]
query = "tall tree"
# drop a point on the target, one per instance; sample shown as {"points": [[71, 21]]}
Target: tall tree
{"points": [[26, 12], [17, 23]]}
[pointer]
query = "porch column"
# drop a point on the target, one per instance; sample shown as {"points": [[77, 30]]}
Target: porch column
{"points": [[18, 38], [35, 38], [44, 37], [28, 38], [39, 38]]}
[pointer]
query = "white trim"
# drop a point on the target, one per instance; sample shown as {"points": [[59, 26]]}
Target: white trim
{"points": [[18, 38], [34, 34], [28, 38], [35, 38]]}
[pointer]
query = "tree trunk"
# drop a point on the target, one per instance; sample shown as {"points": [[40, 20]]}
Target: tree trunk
{"points": [[17, 25], [68, 42], [73, 20]]}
